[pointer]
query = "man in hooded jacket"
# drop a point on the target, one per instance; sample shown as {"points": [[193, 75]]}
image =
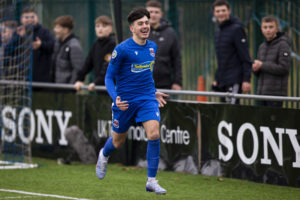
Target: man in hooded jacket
{"points": [[273, 62], [234, 64], [167, 71]]}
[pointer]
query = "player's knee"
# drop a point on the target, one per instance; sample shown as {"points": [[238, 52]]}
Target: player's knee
{"points": [[118, 143], [153, 135]]}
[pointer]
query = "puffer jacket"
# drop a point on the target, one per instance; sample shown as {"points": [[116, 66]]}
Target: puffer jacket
{"points": [[67, 60], [234, 62], [276, 57], [167, 67]]}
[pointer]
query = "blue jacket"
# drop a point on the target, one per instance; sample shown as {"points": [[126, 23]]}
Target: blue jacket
{"points": [[234, 62]]}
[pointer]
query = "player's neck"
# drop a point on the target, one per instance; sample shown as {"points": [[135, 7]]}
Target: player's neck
{"points": [[139, 41]]}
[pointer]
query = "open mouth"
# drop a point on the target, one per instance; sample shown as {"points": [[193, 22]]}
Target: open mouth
{"points": [[144, 31]]}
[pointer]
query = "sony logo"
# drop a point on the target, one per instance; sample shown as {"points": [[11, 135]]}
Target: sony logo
{"points": [[25, 124], [225, 134]]}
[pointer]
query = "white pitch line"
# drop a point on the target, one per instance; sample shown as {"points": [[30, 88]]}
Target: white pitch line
{"points": [[42, 195], [18, 197]]}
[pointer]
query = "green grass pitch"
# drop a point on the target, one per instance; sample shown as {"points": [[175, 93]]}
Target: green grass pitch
{"points": [[122, 182]]}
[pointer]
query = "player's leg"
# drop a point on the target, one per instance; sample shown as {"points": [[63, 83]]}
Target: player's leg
{"points": [[121, 123], [113, 143], [148, 113], [153, 149]]}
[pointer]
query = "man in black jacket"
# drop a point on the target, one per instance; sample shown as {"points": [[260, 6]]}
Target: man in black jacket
{"points": [[167, 72], [42, 45], [99, 55], [234, 63]]}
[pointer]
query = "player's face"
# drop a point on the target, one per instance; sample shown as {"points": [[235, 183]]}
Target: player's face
{"points": [[103, 30], [222, 13], [155, 15], [269, 30], [28, 19], [141, 28], [60, 32]]}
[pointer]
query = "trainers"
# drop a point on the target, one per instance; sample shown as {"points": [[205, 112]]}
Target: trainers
{"points": [[153, 186], [101, 165]]}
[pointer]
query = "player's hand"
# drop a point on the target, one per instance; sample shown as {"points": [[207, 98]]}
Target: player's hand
{"points": [[122, 105], [91, 87], [246, 87], [160, 98], [77, 85]]}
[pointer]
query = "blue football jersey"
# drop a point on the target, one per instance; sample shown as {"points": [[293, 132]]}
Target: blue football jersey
{"points": [[131, 67]]}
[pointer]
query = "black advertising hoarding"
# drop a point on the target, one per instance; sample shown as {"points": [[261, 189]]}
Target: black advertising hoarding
{"points": [[255, 143], [53, 112]]}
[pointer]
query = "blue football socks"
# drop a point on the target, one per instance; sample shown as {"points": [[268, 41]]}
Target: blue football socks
{"points": [[108, 147], [153, 149]]}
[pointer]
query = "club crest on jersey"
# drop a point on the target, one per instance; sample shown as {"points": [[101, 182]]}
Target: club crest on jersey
{"points": [[114, 54], [116, 123], [136, 68], [152, 52]]}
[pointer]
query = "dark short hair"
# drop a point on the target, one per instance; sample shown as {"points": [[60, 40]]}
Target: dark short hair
{"points": [[220, 3], [103, 19], [65, 21], [137, 13], [154, 3], [270, 18], [28, 10]]}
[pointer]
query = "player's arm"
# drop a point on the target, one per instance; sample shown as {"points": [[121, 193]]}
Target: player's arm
{"points": [[111, 73]]}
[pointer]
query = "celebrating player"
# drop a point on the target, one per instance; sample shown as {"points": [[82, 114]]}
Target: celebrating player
{"points": [[134, 96]]}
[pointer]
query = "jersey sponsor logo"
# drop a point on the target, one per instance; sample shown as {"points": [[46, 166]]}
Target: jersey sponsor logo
{"points": [[114, 54], [243, 40], [116, 123], [136, 68], [136, 52], [152, 52], [285, 54]]}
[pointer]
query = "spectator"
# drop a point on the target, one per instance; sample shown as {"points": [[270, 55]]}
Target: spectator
{"points": [[99, 55], [273, 62], [167, 68], [234, 63], [67, 57], [42, 45], [13, 52], [7, 32]]}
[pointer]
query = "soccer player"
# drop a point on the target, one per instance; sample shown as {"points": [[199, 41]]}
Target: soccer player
{"points": [[134, 96]]}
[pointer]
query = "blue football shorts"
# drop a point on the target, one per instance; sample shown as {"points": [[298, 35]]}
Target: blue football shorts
{"points": [[137, 112]]}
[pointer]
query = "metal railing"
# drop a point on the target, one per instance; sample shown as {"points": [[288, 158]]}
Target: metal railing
{"points": [[171, 92]]}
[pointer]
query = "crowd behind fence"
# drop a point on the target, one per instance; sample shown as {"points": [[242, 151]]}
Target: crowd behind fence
{"points": [[192, 19]]}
